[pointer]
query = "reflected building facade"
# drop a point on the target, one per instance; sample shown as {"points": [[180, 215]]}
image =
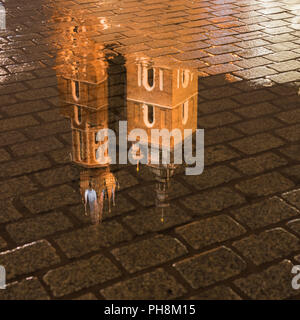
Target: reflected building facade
{"points": [[161, 95], [83, 86]]}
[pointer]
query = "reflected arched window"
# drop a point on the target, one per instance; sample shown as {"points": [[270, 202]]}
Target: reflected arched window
{"points": [[185, 78], [149, 115], [82, 153], [76, 90], [185, 112], [78, 114], [149, 78]]}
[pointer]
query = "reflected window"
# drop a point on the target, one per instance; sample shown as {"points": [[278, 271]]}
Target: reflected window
{"points": [[185, 78], [82, 153], [149, 115], [150, 77], [185, 112], [76, 90], [78, 114]]}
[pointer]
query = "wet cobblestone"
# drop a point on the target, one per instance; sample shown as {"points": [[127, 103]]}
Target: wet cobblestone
{"points": [[231, 233]]}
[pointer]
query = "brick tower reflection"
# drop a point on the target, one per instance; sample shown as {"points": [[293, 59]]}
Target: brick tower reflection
{"points": [[82, 74], [161, 95]]}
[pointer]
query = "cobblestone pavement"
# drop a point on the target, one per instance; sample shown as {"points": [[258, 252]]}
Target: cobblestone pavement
{"points": [[232, 232]]}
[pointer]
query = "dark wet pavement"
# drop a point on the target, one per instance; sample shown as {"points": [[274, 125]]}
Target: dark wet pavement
{"points": [[71, 68]]}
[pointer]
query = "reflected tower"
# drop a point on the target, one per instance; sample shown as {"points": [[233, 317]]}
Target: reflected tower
{"points": [[161, 95], [82, 75]]}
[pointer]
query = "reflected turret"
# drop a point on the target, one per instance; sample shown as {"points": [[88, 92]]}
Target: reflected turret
{"points": [[161, 95], [82, 75]]}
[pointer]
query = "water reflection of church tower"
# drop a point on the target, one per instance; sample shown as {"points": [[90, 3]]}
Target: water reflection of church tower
{"points": [[161, 95], [83, 86], [82, 74]]}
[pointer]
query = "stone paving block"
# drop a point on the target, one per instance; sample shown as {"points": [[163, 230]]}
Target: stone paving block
{"points": [[216, 105], [291, 133], [34, 94], [25, 107], [252, 62], [214, 200], [27, 289], [292, 151], [87, 296], [282, 56], [210, 267], [210, 231], [220, 135], [150, 220], [42, 83], [219, 93], [294, 225], [17, 122], [11, 137], [38, 227], [217, 293], [286, 66], [212, 177], [221, 69], [125, 179], [24, 166], [292, 116], [149, 253], [257, 110], [260, 163], [218, 153], [62, 156], [268, 245], [92, 238], [28, 258], [80, 275], [51, 199], [150, 286], [36, 146], [2, 243], [254, 96], [4, 155], [145, 194], [47, 129], [24, 66], [293, 197], [264, 213], [218, 120], [265, 185], [258, 125], [51, 115], [257, 143], [8, 212], [61, 175], [122, 207], [255, 73], [286, 77], [292, 172], [16, 186], [273, 283]]}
